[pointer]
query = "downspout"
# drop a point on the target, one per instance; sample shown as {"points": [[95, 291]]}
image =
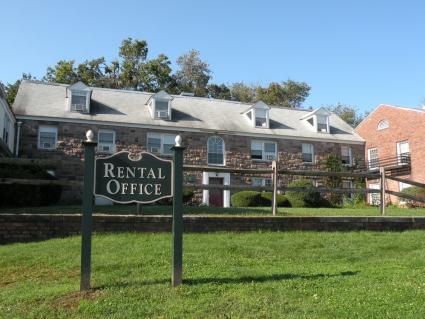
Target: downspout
{"points": [[18, 135]]}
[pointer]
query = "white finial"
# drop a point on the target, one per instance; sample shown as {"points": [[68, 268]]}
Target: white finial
{"points": [[89, 136], [178, 140]]}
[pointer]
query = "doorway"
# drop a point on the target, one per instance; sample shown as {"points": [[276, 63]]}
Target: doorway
{"points": [[216, 195]]}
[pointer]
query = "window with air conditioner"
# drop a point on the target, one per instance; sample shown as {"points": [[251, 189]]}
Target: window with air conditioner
{"points": [[159, 143], [261, 182], [78, 102], [307, 153], [79, 96], [161, 109], [346, 157], [322, 123], [261, 118], [47, 137], [215, 150], [106, 141], [264, 151], [258, 115]]}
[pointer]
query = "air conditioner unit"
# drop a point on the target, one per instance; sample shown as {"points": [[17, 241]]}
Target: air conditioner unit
{"points": [[270, 157], [78, 107], [161, 114], [47, 145], [264, 124], [154, 149], [323, 130], [104, 148]]}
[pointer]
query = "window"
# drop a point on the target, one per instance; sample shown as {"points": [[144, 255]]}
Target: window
{"points": [[307, 153], [6, 129], [403, 152], [265, 151], [374, 198], [382, 125], [261, 182], [215, 146], [161, 143], [161, 109], [106, 141], [261, 118], [372, 155], [322, 123], [348, 184], [47, 137], [346, 155]]}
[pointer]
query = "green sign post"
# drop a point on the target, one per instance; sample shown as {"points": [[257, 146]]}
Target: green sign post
{"points": [[123, 179]]}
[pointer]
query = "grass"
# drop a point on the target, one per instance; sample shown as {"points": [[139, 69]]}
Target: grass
{"points": [[226, 275], [203, 210]]}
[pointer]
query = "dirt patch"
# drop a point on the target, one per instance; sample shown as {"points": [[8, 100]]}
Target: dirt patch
{"points": [[72, 299]]}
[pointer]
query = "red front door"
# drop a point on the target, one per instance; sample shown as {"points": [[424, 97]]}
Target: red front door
{"points": [[216, 195]]}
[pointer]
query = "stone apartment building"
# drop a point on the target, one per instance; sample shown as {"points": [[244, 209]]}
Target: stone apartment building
{"points": [[394, 139], [55, 118]]}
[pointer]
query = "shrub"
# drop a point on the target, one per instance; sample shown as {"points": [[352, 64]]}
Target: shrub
{"points": [[282, 201], [246, 199], [417, 192], [187, 195], [27, 195], [304, 199]]}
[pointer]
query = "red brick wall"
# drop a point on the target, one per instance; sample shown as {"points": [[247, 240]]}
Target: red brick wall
{"points": [[403, 125]]}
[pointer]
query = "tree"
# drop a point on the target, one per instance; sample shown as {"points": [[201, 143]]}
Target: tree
{"points": [[155, 74], [63, 72], [193, 74], [221, 91], [133, 54], [12, 89], [241, 92], [92, 72], [348, 113], [288, 94]]}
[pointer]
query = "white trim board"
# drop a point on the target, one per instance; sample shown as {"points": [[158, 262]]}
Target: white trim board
{"points": [[185, 129], [206, 194]]}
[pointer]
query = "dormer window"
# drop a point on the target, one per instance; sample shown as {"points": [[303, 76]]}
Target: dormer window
{"points": [[258, 115], [318, 120], [159, 106], [79, 96]]}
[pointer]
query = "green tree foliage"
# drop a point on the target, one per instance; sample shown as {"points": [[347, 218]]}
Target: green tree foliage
{"points": [[348, 113], [221, 92], [12, 89], [334, 164], [193, 74], [155, 74], [242, 92], [63, 72], [288, 93], [133, 55], [311, 198]]}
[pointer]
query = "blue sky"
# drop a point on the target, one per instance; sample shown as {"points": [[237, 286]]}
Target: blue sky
{"points": [[360, 52]]}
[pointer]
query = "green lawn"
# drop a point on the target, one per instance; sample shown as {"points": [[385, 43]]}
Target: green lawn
{"points": [[226, 275], [203, 210]]}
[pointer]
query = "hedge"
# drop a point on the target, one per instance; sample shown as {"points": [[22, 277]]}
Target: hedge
{"points": [[282, 201], [246, 199], [27, 195], [414, 191], [304, 199]]}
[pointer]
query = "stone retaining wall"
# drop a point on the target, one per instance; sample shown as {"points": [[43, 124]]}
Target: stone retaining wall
{"points": [[33, 227]]}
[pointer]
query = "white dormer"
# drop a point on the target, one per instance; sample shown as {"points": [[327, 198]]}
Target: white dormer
{"points": [[159, 105], [318, 120], [79, 96], [258, 115]]}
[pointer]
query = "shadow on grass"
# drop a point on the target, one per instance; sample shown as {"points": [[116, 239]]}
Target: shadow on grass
{"points": [[228, 280]]}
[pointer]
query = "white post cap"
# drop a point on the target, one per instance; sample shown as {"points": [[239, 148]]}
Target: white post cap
{"points": [[89, 136], [178, 140]]}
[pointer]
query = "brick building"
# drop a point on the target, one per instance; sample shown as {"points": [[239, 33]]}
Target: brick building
{"points": [[395, 140], [55, 118]]}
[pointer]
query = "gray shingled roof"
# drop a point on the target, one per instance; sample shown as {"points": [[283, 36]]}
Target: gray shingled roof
{"points": [[48, 100]]}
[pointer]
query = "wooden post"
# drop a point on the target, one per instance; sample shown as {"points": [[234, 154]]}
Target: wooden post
{"points": [[382, 204], [86, 224], [177, 262], [275, 182]]}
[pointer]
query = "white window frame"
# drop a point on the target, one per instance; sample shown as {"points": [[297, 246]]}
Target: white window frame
{"points": [[223, 149], [162, 137], [311, 146], [254, 113], [113, 144], [374, 201], [48, 129], [316, 122], [382, 125], [399, 153], [369, 159], [350, 154], [84, 94], [264, 154]]}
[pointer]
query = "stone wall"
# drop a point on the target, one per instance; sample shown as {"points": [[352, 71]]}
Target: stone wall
{"points": [[237, 151], [25, 227]]}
